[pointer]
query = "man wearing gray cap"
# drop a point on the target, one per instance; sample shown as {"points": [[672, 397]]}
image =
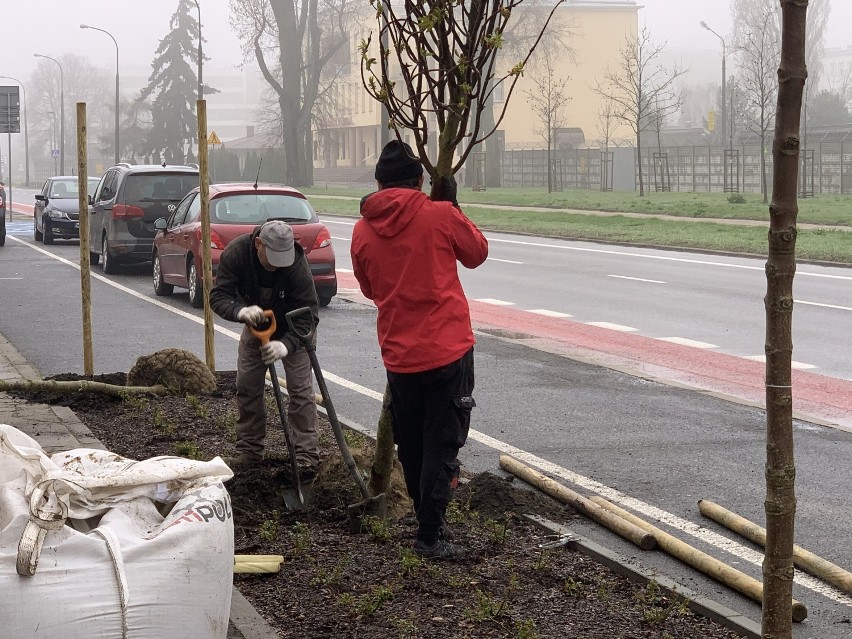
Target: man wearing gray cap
{"points": [[268, 270]]}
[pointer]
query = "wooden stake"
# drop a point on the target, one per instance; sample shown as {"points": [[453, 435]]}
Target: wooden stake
{"points": [[206, 257], [701, 561], [83, 232], [616, 524], [79, 386], [814, 564]]}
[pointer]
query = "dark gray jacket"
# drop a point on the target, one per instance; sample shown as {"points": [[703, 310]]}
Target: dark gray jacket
{"points": [[238, 286]]}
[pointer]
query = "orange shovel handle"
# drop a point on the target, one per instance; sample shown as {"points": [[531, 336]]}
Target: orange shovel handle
{"points": [[265, 334]]}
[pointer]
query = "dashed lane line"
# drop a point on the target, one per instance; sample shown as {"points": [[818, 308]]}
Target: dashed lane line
{"points": [[636, 279], [797, 365], [613, 327], [687, 342], [489, 300], [547, 313]]}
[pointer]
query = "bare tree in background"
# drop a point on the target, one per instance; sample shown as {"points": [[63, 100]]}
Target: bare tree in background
{"points": [[548, 98], [83, 83], [640, 88], [759, 57], [301, 37], [607, 123], [780, 502], [437, 60]]}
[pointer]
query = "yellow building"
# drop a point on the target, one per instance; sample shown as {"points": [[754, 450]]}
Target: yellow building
{"points": [[597, 32]]}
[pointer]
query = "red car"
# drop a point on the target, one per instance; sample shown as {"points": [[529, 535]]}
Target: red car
{"points": [[236, 209]]}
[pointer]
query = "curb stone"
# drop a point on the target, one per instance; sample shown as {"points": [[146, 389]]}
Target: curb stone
{"points": [[629, 568]]}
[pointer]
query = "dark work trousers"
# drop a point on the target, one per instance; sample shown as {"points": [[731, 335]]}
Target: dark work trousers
{"points": [[430, 412], [301, 406]]}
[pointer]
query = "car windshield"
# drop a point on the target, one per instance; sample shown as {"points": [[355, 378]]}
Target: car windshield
{"points": [[154, 187], [67, 189], [257, 208]]}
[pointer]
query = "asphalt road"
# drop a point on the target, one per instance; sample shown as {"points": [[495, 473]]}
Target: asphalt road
{"points": [[654, 447]]}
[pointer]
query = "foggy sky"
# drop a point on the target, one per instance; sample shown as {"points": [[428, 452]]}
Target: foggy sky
{"points": [[51, 27]]}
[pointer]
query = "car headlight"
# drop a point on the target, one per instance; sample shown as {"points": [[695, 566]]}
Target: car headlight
{"points": [[54, 214]]}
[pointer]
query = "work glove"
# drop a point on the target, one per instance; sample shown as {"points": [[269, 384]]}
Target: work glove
{"points": [[272, 351], [251, 315]]}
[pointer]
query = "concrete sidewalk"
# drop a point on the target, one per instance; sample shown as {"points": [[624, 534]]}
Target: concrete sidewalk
{"points": [[57, 428]]}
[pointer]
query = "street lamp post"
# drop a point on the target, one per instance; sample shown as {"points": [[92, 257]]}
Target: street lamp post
{"points": [[26, 131], [61, 112], [117, 146], [53, 139], [724, 79], [200, 55]]}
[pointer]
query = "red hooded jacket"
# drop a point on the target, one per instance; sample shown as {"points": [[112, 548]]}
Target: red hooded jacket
{"points": [[404, 252]]}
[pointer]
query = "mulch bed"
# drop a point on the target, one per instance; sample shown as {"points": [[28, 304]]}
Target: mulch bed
{"points": [[337, 584]]}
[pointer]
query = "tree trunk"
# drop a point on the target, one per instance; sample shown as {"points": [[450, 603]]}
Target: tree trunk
{"points": [[764, 186], [780, 502], [639, 160], [79, 386], [380, 474]]}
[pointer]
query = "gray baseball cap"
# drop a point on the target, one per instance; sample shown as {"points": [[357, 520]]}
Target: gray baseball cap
{"points": [[277, 237]]}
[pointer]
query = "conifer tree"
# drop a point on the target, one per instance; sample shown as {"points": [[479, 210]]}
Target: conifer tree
{"points": [[172, 89]]}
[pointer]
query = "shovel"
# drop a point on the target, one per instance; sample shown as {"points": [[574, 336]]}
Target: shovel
{"points": [[371, 505], [293, 497]]}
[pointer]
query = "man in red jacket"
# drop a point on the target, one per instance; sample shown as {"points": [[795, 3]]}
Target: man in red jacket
{"points": [[404, 253]]}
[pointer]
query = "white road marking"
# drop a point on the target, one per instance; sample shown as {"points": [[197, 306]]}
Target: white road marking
{"points": [[494, 259], [344, 270], [687, 342], [841, 308], [327, 222], [798, 365], [342, 239], [683, 525], [613, 327], [11, 278], [666, 258], [545, 312], [489, 300], [636, 279]]}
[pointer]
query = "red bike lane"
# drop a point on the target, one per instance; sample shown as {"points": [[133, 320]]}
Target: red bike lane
{"points": [[816, 398]]}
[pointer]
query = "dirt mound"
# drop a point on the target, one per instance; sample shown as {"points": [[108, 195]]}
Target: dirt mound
{"points": [[178, 370], [496, 497]]}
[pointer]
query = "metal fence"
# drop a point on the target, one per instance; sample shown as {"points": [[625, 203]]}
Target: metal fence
{"points": [[826, 168]]}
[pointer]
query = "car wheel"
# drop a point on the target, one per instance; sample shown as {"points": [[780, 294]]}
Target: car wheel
{"points": [[47, 236], [324, 301], [196, 286], [160, 287], [36, 232], [108, 263]]}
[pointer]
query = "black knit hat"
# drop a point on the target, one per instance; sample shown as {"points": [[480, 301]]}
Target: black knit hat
{"points": [[397, 163]]}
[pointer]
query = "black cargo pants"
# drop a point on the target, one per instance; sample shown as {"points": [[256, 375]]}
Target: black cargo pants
{"points": [[430, 412]]}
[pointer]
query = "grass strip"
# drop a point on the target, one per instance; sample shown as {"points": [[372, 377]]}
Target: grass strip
{"points": [[818, 244]]}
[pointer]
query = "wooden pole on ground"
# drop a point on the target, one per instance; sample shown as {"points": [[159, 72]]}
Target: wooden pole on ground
{"points": [[83, 232], [710, 566], [616, 524], [206, 257], [814, 564]]}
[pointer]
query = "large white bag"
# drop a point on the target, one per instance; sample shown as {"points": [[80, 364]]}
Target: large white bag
{"points": [[85, 552]]}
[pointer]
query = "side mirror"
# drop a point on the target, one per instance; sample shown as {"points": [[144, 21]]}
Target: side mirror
{"points": [[40, 198], [160, 224], [91, 201]]}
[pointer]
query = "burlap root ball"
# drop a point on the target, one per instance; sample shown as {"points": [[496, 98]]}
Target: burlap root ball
{"points": [[179, 371]]}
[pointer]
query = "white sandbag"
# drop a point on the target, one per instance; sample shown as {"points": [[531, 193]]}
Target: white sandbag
{"points": [[86, 553]]}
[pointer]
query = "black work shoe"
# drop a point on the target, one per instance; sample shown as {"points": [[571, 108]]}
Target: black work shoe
{"points": [[444, 532], [439, 550], [307, 472], [241, 460]]}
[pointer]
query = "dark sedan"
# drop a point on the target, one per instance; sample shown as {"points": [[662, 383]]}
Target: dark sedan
{"points": [[57, 209], [236, 209], [2, 215]]}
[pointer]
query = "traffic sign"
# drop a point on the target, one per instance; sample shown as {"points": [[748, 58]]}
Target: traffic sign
{"points": [[213, 139], [54, 153], [711, 121]]}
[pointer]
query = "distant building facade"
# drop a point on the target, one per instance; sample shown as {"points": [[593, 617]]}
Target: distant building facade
{"points": [[598, 32]]}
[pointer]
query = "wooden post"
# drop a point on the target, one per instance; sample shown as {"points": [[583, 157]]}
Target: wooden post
{"points": [[206, 257], [83, 232], [708, 565], [806, 560], [591, 510]]}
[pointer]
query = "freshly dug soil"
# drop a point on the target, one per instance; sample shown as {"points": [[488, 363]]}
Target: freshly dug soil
{"points": [[334, 583]]}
